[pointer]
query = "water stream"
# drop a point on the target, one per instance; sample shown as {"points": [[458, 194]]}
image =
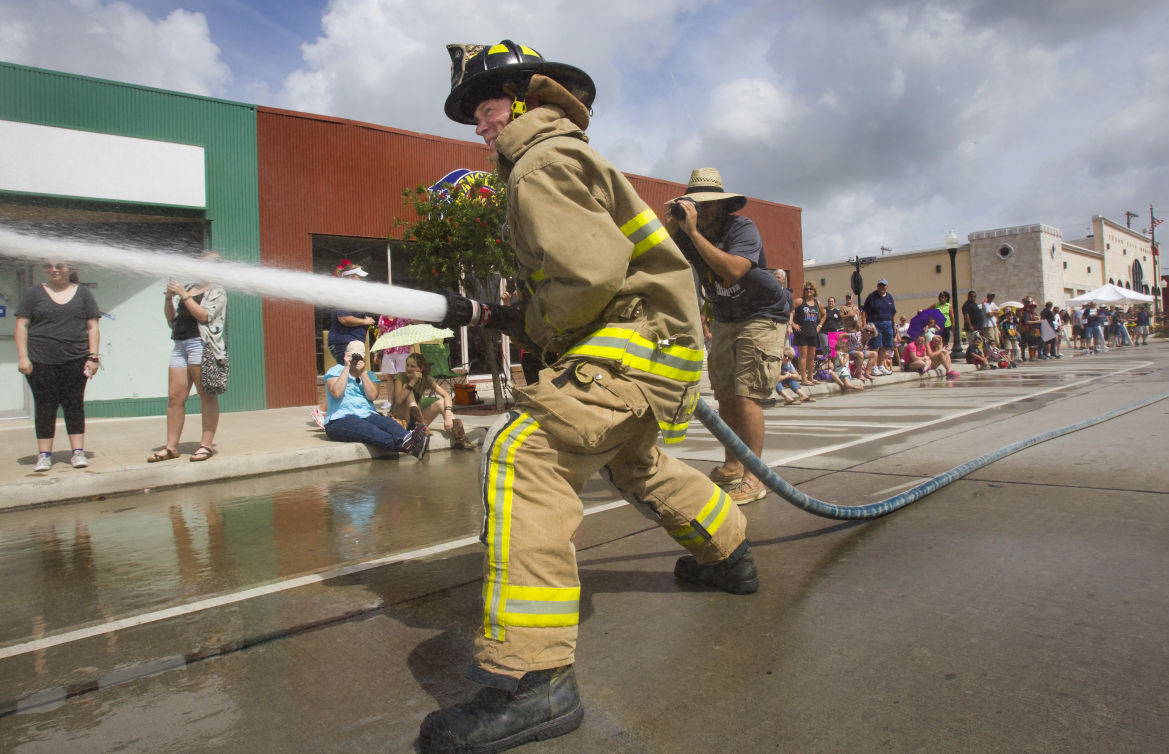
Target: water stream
{"points": [[273, 282]]}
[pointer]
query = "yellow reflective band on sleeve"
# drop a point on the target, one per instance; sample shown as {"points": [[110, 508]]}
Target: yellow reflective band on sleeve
{"points": [[541, 606], [499, 481], [645, 231], [538, 276], [618, 344]]}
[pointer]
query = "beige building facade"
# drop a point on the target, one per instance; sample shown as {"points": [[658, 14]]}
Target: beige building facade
{"points": [[915, 278], [1014, 262]]}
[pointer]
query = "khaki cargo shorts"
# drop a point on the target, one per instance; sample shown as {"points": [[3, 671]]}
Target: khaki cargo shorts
{"points": [[745, 357]]}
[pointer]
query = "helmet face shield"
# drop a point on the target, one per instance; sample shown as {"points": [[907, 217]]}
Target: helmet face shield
{"points": [[479, 72]]}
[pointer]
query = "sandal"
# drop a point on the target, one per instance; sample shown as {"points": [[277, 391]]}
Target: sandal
{"points": [[165, 454], [202, 453]]}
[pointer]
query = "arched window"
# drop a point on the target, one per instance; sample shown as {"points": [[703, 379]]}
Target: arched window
{"points": [[1138, 275]]}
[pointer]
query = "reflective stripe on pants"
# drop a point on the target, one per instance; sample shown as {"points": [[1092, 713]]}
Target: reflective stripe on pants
{"points": [[531, 480]]}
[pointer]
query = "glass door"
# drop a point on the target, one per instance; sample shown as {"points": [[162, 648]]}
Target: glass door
{"points": [[15, 399]]}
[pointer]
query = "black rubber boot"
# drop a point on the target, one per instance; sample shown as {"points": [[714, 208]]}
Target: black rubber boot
{"points": [[544, 705], [736, 574]]}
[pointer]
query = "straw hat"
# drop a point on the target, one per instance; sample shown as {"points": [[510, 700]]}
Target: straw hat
{"points": [[706, 185]]}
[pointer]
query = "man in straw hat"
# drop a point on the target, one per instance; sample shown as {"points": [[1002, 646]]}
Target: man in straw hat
{"points": [[750, 314], [603, 286]]}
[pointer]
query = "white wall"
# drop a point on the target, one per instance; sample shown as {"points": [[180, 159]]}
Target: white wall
{"points": [[65, 162]]}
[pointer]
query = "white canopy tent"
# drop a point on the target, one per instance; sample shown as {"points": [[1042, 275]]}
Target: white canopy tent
{"points": [[1111, 294]]}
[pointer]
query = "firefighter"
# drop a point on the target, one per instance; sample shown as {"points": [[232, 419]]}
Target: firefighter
{"points": [[604, 287]]}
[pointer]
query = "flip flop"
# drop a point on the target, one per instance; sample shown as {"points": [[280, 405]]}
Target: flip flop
{"points": [[202, 453], [165, 454]]}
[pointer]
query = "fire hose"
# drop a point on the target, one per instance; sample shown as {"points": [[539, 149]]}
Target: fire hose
{"points": [[776, 484]]}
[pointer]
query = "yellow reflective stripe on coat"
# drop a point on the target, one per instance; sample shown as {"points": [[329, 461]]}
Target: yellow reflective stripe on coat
{"points": [[499, 480], [645, 231], [710, 519], [541, 606], [626, 346]]}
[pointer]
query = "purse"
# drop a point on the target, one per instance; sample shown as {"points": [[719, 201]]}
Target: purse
{"points": [[214, 373]]}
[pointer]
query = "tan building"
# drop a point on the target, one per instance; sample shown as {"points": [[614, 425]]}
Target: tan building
{"points": [[1126, 253], [915, 277], [1025, 260]]}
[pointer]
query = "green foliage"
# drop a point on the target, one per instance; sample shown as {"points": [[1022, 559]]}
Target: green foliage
{"points": [[460, 239]]}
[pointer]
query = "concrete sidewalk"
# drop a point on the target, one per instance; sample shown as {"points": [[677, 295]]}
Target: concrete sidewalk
{"points": [[248, 443]]}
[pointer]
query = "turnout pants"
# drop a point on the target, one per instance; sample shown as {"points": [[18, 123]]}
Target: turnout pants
{"points": [[572, 424]]}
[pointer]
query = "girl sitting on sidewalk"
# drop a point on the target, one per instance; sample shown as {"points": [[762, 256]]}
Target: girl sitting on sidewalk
{"points": [[841, 376]]}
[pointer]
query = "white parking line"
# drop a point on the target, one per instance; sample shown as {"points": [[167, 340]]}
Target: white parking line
{"points": [[37, 645]]}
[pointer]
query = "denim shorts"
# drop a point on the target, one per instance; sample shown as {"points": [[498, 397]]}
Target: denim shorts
{"points": [[884, 333], [187, 353]]}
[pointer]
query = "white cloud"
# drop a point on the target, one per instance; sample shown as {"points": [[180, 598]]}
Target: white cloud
{"points": [[116, 41], [751, 110]]}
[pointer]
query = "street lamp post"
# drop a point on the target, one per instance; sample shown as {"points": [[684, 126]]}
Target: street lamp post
{"points": [[955, 312]]}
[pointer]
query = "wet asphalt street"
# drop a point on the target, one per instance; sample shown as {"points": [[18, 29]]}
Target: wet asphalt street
{"points": [[1023, 608]]}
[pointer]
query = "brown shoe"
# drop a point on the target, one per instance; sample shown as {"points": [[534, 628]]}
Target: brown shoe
{"points": [[743, 493], [724, 478], [459, 437]]}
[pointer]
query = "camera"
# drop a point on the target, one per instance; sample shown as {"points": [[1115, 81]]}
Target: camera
{"points": [[676, 210]]}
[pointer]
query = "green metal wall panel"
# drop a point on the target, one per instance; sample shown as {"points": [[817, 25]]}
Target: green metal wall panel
{"points": [[227, 133]]}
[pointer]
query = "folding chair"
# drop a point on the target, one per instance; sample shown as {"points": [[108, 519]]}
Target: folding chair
{"points": [[438, 357]]}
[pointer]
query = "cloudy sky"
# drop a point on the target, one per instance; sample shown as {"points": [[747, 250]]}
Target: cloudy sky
{"points": [[889, 122]]}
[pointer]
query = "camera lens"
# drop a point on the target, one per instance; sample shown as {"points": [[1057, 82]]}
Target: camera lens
{"points": [[677, 212]]}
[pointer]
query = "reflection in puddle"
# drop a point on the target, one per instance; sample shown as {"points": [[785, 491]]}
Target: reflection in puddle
{"points": [[85, 565]]}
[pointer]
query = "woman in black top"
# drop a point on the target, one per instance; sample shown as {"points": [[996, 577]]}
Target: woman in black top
{"points": [[832, 328], [57, 351], [808, 317]]}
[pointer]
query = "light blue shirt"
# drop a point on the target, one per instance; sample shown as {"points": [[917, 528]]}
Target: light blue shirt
{"points": [[353, 402]]}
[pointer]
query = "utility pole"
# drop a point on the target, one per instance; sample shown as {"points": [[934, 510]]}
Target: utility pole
{"points": [[886, 250], [1156, 263], [1128, 218]]}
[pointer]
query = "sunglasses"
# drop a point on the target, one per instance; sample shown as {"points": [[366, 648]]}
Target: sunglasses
{"points": [[58, 266]]}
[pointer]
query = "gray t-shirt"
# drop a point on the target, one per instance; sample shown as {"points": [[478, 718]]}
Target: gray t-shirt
{"points": [[756, 294], [56, 332]]}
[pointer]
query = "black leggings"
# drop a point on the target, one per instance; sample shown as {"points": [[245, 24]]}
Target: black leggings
{"points": [[58, 385]]}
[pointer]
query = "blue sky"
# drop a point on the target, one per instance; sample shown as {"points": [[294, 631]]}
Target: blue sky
{"points": [[888, 121]]}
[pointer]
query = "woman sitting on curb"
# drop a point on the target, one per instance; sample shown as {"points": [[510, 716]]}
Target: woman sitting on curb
{"points": [[921, 355], [416, 397], [350, 416], [939, 356]]}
